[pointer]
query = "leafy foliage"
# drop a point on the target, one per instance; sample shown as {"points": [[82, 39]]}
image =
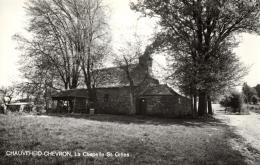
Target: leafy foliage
{"points": [[199, 35], [248, 92], [234, 100], [68, 39], [255, 99], [257, 88]]}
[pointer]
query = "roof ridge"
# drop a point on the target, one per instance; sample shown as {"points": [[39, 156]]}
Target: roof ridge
{"points": [[112, 67]]}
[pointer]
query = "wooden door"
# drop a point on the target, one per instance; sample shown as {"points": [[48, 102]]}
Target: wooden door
{"points": [[141, 106]]}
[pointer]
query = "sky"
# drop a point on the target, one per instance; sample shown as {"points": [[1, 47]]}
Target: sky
{"points": [[123, 21], [11, 21]]}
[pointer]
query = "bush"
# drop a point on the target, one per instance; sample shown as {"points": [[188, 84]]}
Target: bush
{"points": [[254, 99], [38, 109], [2, 109], [234, 100], [27, 108], [225, 102]]}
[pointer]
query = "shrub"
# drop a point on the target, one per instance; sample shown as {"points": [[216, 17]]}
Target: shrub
{"points": [[254, 99], [38, 109], [234, 100], [225, 102], [1, 109], [27, 108]]}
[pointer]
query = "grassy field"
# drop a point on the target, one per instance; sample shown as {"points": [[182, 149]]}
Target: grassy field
{"points": [[130, 140]]}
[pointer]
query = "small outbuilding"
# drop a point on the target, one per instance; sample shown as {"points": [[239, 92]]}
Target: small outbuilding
{"points": [[20, 106], [161, 100], [74, 100]]}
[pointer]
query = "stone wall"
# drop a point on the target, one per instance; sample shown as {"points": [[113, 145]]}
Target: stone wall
{"points": [[168, 106], [113, 100], [80, 105], [116, 101]]}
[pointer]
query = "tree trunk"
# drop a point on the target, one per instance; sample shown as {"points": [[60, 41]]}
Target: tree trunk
{"points": [[45, 97], [202, 103], [191, 105], [86, 68], [94, 93], [66, 85], [195, 104], [131, 90], [210, 112], [132, 104], [91, 89]]}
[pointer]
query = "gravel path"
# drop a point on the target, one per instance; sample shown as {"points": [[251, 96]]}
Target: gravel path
{"points": [[248, 126]]}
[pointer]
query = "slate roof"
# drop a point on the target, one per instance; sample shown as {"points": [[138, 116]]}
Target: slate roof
{"points": [[71, 93], [160, 89], [116, 76]]}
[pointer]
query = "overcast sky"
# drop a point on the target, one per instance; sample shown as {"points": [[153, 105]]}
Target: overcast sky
{"points": [[122, 20]]}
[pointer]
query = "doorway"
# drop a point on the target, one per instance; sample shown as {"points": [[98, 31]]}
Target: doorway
{"points": [[141, 106]]}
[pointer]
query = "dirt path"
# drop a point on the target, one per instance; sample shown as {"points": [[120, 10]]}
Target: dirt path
{"points": [[248, 126]]}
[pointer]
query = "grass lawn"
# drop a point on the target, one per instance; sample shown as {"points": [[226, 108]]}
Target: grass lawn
{"points": [[131, 140]]}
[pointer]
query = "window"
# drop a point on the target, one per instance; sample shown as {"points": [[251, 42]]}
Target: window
{"points": [[106, 97], [179, 100]]}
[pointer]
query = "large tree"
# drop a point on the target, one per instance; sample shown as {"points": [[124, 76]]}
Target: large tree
{"points": [[91, 38], [125, 58], [222, 72], [49, 42], [40, 73], [67, 38], [198, 28]]}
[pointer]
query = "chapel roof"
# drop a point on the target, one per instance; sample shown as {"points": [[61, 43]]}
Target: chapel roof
{"points": [[71, 93], [116, 76], [160, 89]]}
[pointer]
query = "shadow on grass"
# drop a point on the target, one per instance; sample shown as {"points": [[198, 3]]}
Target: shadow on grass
{"points": [[196, 149], [150, 120]]}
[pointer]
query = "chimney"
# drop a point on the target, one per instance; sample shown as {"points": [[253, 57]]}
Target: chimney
{"points": [[146, 62]]}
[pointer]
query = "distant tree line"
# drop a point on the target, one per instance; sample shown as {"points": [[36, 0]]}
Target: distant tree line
{"points": [[251, 94], [235, 99]]}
